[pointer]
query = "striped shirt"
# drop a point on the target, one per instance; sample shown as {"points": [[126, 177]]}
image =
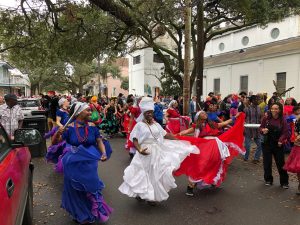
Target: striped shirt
{"points": [[10, 117], [253, 116]]}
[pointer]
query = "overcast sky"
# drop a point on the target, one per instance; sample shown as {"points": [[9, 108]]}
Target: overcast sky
{"points": [[9, 3]]}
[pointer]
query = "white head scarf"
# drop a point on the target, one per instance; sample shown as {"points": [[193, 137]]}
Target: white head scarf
{"points": [[79, 107], [172, 103], [61, 101], [197, 116], [146, 104]]}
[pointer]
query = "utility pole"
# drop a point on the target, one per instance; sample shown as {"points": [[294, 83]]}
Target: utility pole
{"points": [[98, 72], [187, 56], [199, 57]]}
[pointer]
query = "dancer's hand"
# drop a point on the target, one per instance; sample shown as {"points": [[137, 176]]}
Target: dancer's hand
{"points": [[144, 151], [60, 130], [265, 130], [103, 157], [279, 144]]}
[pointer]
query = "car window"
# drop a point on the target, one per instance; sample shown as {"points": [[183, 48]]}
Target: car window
{"points": [[29, 103], [4, 143]]}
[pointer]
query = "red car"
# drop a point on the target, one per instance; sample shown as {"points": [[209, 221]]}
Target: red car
{"points": [[16, 170]]}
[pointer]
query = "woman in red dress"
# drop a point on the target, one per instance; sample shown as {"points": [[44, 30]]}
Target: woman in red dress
{"points": [[174, 121], [131, 115], [288, 106], [216, 151], [292, 164]]}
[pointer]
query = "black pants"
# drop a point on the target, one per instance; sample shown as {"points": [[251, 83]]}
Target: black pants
{"points": [[270, 150]]}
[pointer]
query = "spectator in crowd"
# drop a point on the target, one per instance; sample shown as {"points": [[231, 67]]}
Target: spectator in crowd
{"points": [[52, 108], [180, 105], [241, 106], [158, 112], [11, 116], [193, 107], [2, 100], [261, 102], [253, 116], [288, 106]]}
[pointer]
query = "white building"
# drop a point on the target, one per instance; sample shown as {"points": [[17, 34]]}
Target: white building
{"points": [[145, 67], [250, 59], [13, 81], [244, 60]]}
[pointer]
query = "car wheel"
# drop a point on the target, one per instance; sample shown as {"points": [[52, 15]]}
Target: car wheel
{"points": [[28, 214]]}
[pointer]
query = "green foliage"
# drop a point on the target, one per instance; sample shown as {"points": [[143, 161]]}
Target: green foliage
{"points": [[42, 46], [37, 39], [125, 83], [169, 86]]}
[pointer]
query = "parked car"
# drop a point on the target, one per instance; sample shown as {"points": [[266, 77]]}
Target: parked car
{"points": [[16, 172], [31, 107]]}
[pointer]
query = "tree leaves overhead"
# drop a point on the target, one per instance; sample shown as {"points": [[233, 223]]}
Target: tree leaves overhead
{"points": [[38, 42], [56, 32]]}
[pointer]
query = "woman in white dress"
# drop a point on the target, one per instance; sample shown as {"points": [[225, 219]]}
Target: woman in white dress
{"points": [[150, 174]]}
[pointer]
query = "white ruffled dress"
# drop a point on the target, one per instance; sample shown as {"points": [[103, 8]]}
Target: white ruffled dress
{"points": [[150, 177]]}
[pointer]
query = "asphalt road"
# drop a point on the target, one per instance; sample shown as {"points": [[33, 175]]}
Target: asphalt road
{"points": [[242, 200]]}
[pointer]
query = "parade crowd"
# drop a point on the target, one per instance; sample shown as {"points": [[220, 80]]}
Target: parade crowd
{"points": [[161, 142]]}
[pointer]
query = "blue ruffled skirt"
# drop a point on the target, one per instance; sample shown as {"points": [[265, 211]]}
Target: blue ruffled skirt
{"points": [[82, 196]]}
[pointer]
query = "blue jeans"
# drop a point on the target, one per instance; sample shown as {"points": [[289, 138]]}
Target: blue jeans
{"points": [[248, 146]]}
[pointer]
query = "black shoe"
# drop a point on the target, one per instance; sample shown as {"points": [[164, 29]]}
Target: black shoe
{"points": [[268, 183], [139, 199], [285, 186], [152, 203], [131, 155], [298, 192], [189, 191]]}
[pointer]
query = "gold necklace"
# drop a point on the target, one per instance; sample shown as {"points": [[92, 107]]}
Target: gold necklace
{"points": [[155, 137]]}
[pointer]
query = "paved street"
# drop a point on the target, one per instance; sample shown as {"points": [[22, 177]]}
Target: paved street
{"points": [[242, 200]]}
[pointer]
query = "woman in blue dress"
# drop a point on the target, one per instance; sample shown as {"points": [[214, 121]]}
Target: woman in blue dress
{"points": [[54, 152], [82, 192], [62, 114]]}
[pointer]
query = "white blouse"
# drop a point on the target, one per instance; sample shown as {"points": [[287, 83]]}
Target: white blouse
{"points": [[143, 131]]}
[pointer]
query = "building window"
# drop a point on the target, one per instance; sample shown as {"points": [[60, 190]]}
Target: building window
{"points": [[281, 82], [275, 33], [136, 59], [221, 46], [244, 83], [157, 59], [245, 41], [217, 86]]}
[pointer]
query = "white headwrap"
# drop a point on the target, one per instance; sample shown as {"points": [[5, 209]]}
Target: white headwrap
{"points": [[172, 103], [197, 115], [79, 107], [146, 104], [61, 101]]}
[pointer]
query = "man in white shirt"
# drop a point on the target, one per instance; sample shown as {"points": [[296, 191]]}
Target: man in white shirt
{"points": [[11, 115]]}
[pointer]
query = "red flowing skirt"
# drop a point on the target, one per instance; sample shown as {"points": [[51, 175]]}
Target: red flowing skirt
{"points": [[175, 125], [208, 167], [129, 143], [293, 162]]}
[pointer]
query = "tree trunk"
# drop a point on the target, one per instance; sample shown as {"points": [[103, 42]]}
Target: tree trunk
{"points": [[186, 79], [80, 85], [199, 58]]}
